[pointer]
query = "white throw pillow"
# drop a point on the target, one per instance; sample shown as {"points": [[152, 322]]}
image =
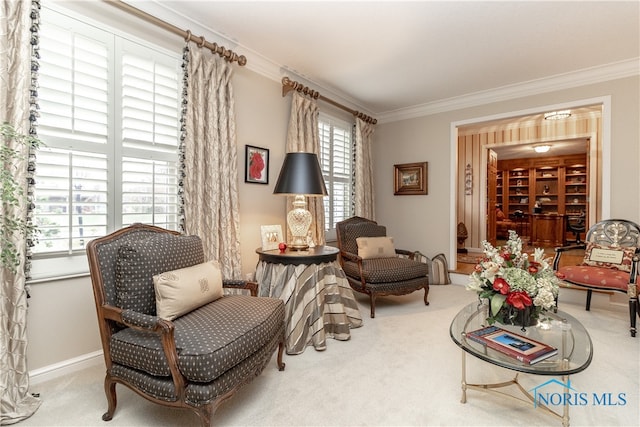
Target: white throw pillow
{"points": [[181, 291], [375, 247]]}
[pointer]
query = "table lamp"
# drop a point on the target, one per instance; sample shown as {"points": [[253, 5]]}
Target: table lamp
{"points": [[300, 176]]}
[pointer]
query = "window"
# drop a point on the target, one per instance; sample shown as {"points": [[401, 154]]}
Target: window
{"points": [[109, 118], [336, 160]]}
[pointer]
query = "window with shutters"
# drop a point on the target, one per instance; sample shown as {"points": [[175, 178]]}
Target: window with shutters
{"points": [[109, 118], [336, 160]]}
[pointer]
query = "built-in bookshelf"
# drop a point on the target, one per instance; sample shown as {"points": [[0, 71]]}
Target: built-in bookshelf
{"points": [[552, 185]]}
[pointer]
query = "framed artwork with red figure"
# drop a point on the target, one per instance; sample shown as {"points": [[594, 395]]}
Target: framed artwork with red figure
{"points": [[256, 166]]}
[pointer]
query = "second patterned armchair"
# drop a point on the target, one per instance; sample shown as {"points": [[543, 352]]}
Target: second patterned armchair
{"points": [[374, 266]]}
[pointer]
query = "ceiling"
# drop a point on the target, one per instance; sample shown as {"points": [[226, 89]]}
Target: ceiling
{"points": [[384, 58]]}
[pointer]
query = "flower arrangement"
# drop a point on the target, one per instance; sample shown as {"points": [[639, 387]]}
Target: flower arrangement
{"points": [[510, 280]]}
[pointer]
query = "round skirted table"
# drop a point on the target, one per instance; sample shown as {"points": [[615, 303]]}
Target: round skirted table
{"points": [[319, 302]]}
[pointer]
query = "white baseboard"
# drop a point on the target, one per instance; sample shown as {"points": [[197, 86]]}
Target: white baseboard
{"points": [[65, 367]]}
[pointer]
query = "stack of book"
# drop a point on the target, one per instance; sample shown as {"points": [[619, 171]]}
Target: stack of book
{"points": [[517, 346]]}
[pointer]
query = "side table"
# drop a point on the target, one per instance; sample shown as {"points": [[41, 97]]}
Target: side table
{"points": [[319, 302]]}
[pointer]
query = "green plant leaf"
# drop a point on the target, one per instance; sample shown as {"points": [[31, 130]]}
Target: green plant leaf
{"points": [[496, 303]]}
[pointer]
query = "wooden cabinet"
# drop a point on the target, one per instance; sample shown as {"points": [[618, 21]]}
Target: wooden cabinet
{"points": [[557, 187], [547, 230]]}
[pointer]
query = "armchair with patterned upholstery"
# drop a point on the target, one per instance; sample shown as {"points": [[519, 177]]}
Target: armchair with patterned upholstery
{"points": [[374, 266], [610, 262], [168, 331]]}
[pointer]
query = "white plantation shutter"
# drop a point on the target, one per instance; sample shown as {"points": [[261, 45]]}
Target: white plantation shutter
{"points": [[149, 102], [150, 124], [109, 118], [71, 199], [149, 192], [336, 161], [73, 86]]}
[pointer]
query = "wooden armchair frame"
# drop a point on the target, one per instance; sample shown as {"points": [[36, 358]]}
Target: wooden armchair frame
{"points": [[112, 319]]}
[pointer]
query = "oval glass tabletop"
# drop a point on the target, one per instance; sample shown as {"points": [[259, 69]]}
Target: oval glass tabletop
{"points": [[559, 330]]}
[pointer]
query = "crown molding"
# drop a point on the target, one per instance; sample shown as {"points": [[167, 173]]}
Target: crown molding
{"points": [[271, 70], [598, 74]]}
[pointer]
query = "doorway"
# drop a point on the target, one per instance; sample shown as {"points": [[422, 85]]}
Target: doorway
{"points": [[471, 209]]}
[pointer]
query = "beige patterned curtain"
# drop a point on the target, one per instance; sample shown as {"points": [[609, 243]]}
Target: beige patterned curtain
{"points": [[209, 155], [364, 199], [17, 80], [303, 136]]}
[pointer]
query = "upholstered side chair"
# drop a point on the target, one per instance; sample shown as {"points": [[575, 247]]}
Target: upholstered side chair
{"points": [[610, 262], [374, 266], [181, 352]]}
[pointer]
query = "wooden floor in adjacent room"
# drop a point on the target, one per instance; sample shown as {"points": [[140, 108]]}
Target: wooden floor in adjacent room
{"points": [[466, 262]]}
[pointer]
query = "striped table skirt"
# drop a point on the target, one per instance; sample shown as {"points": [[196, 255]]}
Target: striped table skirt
{"points": [[318, 302]]}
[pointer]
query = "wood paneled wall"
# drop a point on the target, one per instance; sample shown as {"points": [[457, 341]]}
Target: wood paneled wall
{"points": [[473, 142]]}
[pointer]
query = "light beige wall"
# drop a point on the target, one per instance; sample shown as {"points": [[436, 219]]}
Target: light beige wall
{"points": [[262, 116], [424, 222]]}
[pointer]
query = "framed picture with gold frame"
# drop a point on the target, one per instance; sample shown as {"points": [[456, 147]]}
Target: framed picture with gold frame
{"points": [[410, 179]]}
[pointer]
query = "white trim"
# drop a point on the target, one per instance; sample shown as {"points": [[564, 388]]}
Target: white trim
{"points": [[66, 367], [605, 101], [602, 73]]}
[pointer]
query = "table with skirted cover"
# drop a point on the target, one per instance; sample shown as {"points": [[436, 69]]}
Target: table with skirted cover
{"points": [[319, 303]]}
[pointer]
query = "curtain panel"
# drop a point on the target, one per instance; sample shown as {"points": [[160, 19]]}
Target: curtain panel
{"points": [[209, 158], [19, 21], [364, 201], [303, 136]]}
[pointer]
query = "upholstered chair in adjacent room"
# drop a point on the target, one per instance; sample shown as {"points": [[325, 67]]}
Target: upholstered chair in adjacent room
{"points": [[610, 262], [374, 266]]}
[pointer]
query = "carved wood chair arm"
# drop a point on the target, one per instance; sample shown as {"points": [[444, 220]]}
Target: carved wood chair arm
{"points": [[164, 328], [409, 254], [559, 251], [241, 284]]}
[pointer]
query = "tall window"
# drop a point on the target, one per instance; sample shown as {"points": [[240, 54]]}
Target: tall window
{"points": [[336, 160], [109, 118]]}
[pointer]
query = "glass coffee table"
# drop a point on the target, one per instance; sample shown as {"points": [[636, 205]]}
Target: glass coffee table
{"points": [[559, 330]]}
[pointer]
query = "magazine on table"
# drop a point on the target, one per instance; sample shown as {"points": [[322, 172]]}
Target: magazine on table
{"points": [[517, 346]]}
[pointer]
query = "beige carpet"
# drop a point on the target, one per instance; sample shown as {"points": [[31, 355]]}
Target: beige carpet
{"points": [[399, 369]]}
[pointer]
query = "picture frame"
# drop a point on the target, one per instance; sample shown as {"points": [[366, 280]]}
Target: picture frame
{"points": [[271, 236], [410, 179], [256, 165]]}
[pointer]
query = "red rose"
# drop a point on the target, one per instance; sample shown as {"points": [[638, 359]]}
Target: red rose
{"points": [[501, 285], [256, 165], [533, 269], [506, 256], [519, 300]]}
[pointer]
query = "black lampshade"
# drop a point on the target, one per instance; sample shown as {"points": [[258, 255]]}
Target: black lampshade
{"points": [[301, 174]]}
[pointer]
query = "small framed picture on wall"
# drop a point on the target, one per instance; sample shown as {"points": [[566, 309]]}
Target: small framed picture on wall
{"points": [[256, 166], [410, 178]]}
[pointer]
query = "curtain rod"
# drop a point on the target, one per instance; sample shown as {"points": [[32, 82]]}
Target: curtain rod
{"points": [[222, 51], [288, 85]]}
